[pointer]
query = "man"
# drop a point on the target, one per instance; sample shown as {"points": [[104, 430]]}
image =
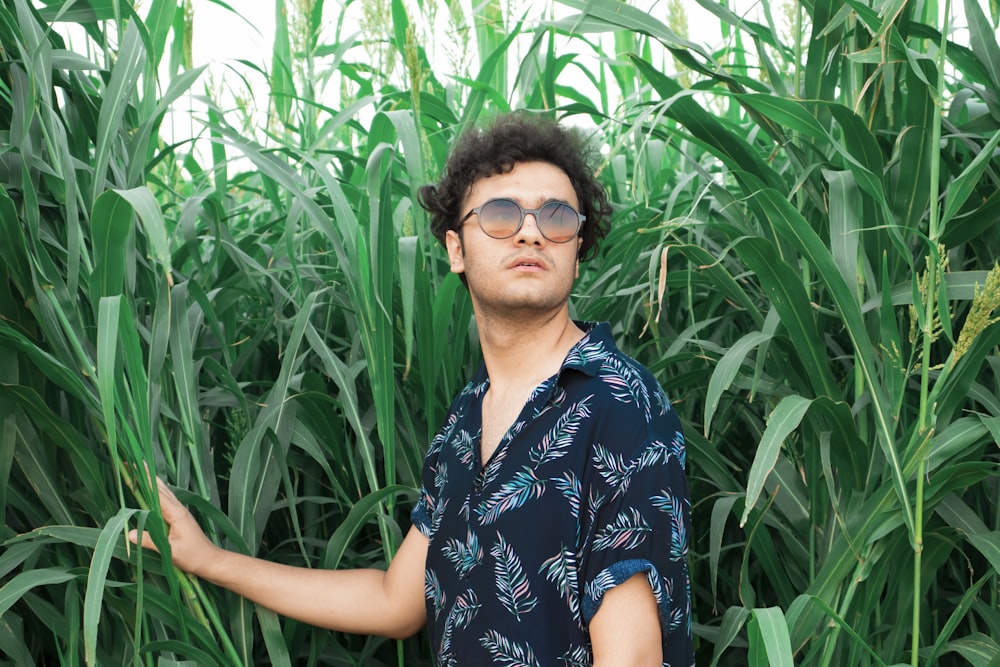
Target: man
{"points": [[551, 527]]}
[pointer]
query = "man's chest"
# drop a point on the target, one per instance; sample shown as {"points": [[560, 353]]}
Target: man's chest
{"points": [[498, 417]]}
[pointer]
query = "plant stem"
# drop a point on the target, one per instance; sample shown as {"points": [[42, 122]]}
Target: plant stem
{"points": [[798, 50], [206, 613], [925, 423]]}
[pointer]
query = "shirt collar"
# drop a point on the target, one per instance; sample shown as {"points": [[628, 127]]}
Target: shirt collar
{"points": [[586, 355], [589, 352]]}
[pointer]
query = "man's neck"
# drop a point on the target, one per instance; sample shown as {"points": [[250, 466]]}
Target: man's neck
{"points": [[526, 350]]}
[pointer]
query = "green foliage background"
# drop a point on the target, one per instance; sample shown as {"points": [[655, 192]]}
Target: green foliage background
{"points": [[804, 252]]}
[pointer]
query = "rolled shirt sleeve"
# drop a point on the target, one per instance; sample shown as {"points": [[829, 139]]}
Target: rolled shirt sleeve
{"points": [[642, 527]]}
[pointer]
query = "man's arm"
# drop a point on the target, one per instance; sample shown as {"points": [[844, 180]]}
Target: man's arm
{"points": [[389, 603], [625, 630]]}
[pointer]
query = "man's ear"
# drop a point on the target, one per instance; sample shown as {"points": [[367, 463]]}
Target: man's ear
{"points": [[456, 254]]}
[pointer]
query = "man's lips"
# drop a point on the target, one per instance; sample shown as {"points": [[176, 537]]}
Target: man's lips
{"points": [[527, 264]]}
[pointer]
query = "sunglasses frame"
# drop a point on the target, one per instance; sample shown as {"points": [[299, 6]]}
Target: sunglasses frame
{"points": [[581, 218]]}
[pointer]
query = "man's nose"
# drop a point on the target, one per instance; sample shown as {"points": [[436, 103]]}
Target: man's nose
{"points": [[529, 229]]}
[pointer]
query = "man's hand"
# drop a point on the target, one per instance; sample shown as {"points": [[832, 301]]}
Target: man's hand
{"points": [[190, 548]]}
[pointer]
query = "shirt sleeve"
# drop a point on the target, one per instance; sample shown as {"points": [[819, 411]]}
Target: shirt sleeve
{"points": [[422, 514], [642, 527]]}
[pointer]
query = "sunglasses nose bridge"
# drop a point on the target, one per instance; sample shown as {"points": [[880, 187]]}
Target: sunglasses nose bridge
{"points": [[527, 213]]}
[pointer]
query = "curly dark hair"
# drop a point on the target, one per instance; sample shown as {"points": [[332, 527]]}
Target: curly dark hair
{"points": [[509, 139]]}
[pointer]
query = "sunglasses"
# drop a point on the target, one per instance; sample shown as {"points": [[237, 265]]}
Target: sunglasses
{"points": [[502, 218]]}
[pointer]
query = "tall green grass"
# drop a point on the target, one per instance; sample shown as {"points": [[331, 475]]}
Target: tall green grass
{"points": [[804, 252]]}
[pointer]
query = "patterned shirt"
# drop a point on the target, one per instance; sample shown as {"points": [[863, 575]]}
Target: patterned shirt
{"points": [[586, 489]]}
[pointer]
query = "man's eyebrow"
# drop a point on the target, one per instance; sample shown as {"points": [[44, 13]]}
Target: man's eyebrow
{"points": [[546, 200]]}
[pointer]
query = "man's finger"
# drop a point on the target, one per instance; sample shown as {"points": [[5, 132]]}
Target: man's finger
{"points": [[147, 541], [169, 505]]}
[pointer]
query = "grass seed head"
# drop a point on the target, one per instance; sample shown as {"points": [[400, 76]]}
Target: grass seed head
{"points": [[984, 302]]}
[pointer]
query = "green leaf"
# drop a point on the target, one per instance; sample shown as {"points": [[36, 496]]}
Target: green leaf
{"points": [[407, 285], [721, 509], [8, 431], [988, 544], [129, 65], [721, 279], [159, 22], [978, 649], [12, 639], [14, 250], [480, 90], [788, 297], [194, 656], [954, 442], [490, 35], [17, 552], [824, 55], [627, 16], [726, 370], [282, 78], [113, 531], [733, 621], [969, 598], [15, 589], [791, 498], [860, 151], [113, 252], [409, 135], [835, 618], [782, 421], [361, 513], [909, 179], [790, 114], [109, 310], [146, 207], [983, 40], [679, 105], [960, 286], [965, 183], [35, 462], [770, 645], [270, 627], [846, 210], [185, 382]]}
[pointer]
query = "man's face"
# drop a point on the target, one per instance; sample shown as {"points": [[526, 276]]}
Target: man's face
{"points": [[525, 272]]}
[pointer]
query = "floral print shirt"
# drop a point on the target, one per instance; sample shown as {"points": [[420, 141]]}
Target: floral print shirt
{"points": [[586, 489]]}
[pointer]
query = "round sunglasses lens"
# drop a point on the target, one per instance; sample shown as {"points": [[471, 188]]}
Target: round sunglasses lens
{"points": [[558, 222], [500, 218]]}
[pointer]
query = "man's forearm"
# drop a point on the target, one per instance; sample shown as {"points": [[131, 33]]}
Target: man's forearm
{"points": [[389, 603], [357, 601]]}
